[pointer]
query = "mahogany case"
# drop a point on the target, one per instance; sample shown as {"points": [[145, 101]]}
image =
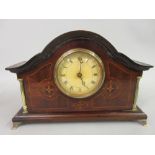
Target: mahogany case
{"points": [[116, 94]]}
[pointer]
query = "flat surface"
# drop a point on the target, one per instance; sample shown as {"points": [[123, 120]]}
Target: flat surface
{"points": [[21, 39]]}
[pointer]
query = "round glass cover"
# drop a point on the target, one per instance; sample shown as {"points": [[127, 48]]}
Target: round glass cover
{"points": [[79, 73]]}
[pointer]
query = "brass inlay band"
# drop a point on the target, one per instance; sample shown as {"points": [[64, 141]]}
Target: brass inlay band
{"points": [[23, 96], [134, 108]]}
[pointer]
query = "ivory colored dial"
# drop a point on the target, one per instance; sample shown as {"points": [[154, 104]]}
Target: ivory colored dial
{"points": [[79, 73]]}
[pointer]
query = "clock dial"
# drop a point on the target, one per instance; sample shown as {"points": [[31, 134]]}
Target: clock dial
{"points": [[79, 73]]}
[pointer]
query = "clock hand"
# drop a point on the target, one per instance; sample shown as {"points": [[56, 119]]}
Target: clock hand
{"points": [[80, 74], [80, 60], [80, 68], [83, 82]]}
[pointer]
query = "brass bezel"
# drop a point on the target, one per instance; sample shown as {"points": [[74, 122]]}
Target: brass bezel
{"points": [[85, 51]]}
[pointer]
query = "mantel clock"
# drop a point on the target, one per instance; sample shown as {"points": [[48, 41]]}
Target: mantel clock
{"points": [[79, 76]]}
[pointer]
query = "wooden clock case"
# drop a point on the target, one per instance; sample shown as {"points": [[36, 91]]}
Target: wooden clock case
{"points": [[44, 102]]}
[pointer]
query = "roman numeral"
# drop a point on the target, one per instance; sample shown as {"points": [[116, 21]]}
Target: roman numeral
{"points": [[62, 75], [64, 66], [70, 61], [86, 60], [95, 74], [93, 66], [71, 88], [65, 82], [93, 82]]}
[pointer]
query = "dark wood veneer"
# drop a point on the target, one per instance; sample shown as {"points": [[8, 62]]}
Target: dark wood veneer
{"points": [[120, 78]]}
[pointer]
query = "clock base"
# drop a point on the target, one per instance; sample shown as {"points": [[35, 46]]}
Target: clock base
{"points": [[137, 115]]}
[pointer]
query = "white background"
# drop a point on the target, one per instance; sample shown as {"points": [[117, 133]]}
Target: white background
{"points": [[21, 39], [97, 144]]}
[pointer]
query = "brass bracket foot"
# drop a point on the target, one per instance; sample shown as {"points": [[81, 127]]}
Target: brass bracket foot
{"points": [[143, 122], [16, 125]]}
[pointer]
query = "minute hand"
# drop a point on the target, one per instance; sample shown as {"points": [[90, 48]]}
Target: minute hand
{"points": [[80, 60], [83, 83]]}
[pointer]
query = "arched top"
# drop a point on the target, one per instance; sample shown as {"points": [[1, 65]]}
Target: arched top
{"points": [[75, 35]]}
